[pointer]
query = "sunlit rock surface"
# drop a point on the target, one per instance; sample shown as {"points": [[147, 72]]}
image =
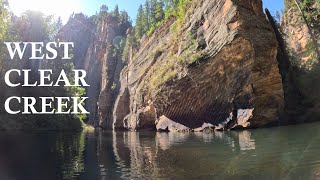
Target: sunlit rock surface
{"points": [[165, 124], [96, 53], [222, 60]]}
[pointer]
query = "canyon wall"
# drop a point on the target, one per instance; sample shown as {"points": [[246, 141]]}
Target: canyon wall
{"points": [[96, 50], [216, 67], [300, 25], [300, 29], [219, 68]]}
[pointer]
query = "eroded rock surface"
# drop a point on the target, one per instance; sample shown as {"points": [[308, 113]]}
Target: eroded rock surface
{"points": [[298, 35], [96, 52], [222, 60]]}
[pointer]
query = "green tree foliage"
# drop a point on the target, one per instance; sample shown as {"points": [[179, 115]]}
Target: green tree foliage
{"points": [[121, 22], [4, 19], [149, 17], [139, 30], [179, 12], [170, 6], [154, 12], [124, 18], [156, 15], [158, 11], [102, 14], [302, 94], [278, 16], [116, 12], [128, 45], [146, 17], [312, 12], [153, 8], [33, 26], [125, 22], [4, 16], [104, 8]]}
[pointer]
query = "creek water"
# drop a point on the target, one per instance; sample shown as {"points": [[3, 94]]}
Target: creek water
{"points": [[291, 152]]}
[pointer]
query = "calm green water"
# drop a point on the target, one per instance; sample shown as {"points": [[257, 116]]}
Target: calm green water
{"points": [[278, 153]]}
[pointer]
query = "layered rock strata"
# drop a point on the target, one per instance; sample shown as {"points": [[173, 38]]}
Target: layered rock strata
{"points": [[220, 62]]}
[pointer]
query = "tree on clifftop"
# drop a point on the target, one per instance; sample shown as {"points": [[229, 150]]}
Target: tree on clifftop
{"points": [[116, 12], [139, 23], [146, 17]]}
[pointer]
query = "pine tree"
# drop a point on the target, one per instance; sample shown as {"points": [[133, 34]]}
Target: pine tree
{"points": [[124, 17], [103, 13], [116, 13], [153, 7], [170, 4], [139, 28], [278, 16], [169, 7], [146, 17], [126, 49], [125, 22], [158, 12], [104, 8]]}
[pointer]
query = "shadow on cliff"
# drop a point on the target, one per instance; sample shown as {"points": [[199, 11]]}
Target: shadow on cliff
{"points": [[300, 90]]}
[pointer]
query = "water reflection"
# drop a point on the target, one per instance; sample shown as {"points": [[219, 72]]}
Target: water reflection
{"points": [[41, 155], [245, 141], [279, 153], [285, 153], [178, 155]]}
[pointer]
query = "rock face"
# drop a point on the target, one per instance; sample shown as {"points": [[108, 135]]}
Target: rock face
{"points": [[302, 30], [220, 62], [96, 52], [81, 31], [301, 37], [298, 35], [166, 124]]}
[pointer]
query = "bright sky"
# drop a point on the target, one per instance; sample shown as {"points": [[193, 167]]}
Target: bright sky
{"points": [[273, 5], [64, 8]]}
